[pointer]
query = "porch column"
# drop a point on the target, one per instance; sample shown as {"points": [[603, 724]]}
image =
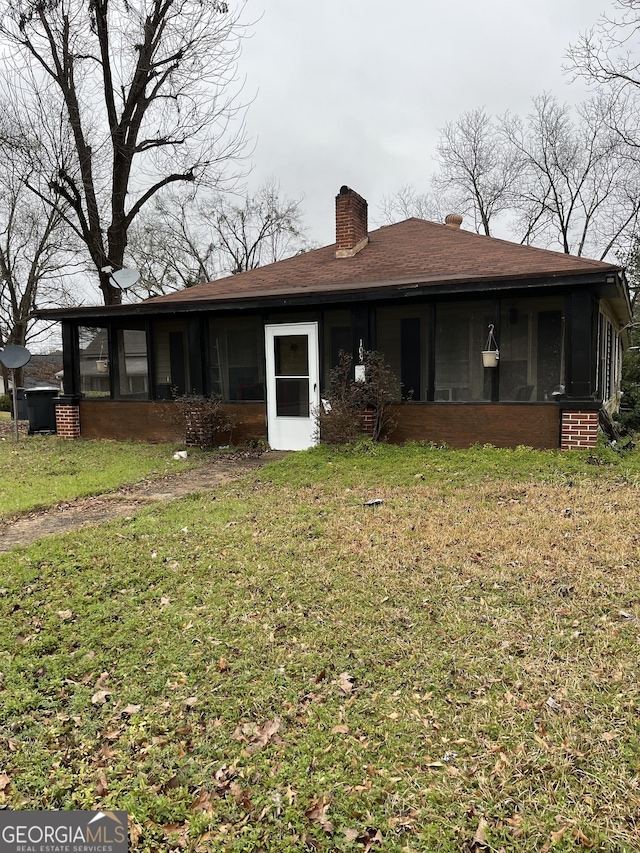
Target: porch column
{"points": [[68, 416], [579, 425]]}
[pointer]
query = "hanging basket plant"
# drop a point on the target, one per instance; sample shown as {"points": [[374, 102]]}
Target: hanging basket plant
{"points": [[491, 353], [102, 363]]}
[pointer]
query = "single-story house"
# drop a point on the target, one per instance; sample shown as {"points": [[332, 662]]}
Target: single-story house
{"points": [[426, 295]]}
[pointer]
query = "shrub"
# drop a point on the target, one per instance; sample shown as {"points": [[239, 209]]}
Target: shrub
{"points": [[5, 403], [352, 407], [207, 423]]}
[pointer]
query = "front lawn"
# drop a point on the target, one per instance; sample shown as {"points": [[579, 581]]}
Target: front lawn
{"points": [[39, 471], [283, 667]]}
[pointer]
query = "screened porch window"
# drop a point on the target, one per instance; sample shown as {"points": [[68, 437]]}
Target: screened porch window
{"points": [[337, 338], [93, 344], [609, 360], [171, 359], [531, 343], [402, 336], [236, 358], [130, 346], [461, 333]]}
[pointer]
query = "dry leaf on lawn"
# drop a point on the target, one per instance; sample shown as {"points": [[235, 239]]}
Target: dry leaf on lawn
{"points": [[480, 838], [259, 736], [317, 812], [100, 697], [102, 787], [101, 683], [202, 803], [64, 615], [370, 837], [346, 682], [4, 781]]}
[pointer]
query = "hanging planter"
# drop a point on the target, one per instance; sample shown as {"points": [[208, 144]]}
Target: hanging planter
{"points": [[491, 353], [102, 364]]}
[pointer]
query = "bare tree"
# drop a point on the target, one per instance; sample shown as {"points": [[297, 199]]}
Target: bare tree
{"points": [[181, 241], [35, 261], [608, 54], [407, 202], [556, 178], [261, 229], [144, 88], [478, 169], [170, 245], [578, 188]]}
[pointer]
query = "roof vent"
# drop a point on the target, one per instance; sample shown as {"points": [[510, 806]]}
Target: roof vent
{"points": [[453, 220], [352, 233]]}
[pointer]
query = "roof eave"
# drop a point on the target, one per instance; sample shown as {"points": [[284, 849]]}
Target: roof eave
{"points": [[339, 293]]}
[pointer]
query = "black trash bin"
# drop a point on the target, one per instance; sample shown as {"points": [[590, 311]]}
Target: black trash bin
{"points": [[42, 410], [23, 415]]}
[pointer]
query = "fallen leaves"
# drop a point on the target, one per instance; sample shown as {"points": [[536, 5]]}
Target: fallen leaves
{"points": [[64, 615], [256, 737], [103, 786], [317, 812], [346, 683], [553, 705], [102, 692]]}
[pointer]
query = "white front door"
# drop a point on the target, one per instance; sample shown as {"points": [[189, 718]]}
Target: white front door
{"points": [[293, 384]]}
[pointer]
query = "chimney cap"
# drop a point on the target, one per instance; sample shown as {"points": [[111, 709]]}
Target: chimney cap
{"points": [[453, 220]]}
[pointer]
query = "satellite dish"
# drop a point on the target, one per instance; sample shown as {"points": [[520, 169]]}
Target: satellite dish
{"points": [[13, 356], [125, 278]]}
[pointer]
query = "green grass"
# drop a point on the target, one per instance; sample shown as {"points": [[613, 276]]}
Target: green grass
{"points": [[290, 669], [41, 471]]}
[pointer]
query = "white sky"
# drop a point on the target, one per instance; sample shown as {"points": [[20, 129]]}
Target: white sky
{"points": [[354, 91]]}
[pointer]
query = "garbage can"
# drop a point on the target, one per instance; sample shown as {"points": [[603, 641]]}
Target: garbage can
{"points": [[23, 415], [42, 410]]}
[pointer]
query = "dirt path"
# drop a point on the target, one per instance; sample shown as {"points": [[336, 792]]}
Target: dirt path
{"points": [[82, 512]]}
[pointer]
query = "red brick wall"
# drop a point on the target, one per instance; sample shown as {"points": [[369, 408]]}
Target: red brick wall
{"points": [[68, 420], [460, 425], [158, 422], [579, 430]]}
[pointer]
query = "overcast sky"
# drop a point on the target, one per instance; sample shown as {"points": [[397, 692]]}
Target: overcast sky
{"points": [[354, 91]]}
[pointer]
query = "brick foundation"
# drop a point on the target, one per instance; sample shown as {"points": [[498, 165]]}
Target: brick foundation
{"points": [[198, 434], [579, 430], [68, 419], [369, 422]]}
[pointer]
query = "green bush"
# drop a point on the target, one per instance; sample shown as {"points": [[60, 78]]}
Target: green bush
{"points": [[5, 403]]}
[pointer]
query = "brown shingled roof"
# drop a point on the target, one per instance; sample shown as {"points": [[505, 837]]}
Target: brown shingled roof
{"points": [[411, 252]]}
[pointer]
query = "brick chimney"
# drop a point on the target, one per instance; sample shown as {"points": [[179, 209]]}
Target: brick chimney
{"points": [[351, 223]]}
